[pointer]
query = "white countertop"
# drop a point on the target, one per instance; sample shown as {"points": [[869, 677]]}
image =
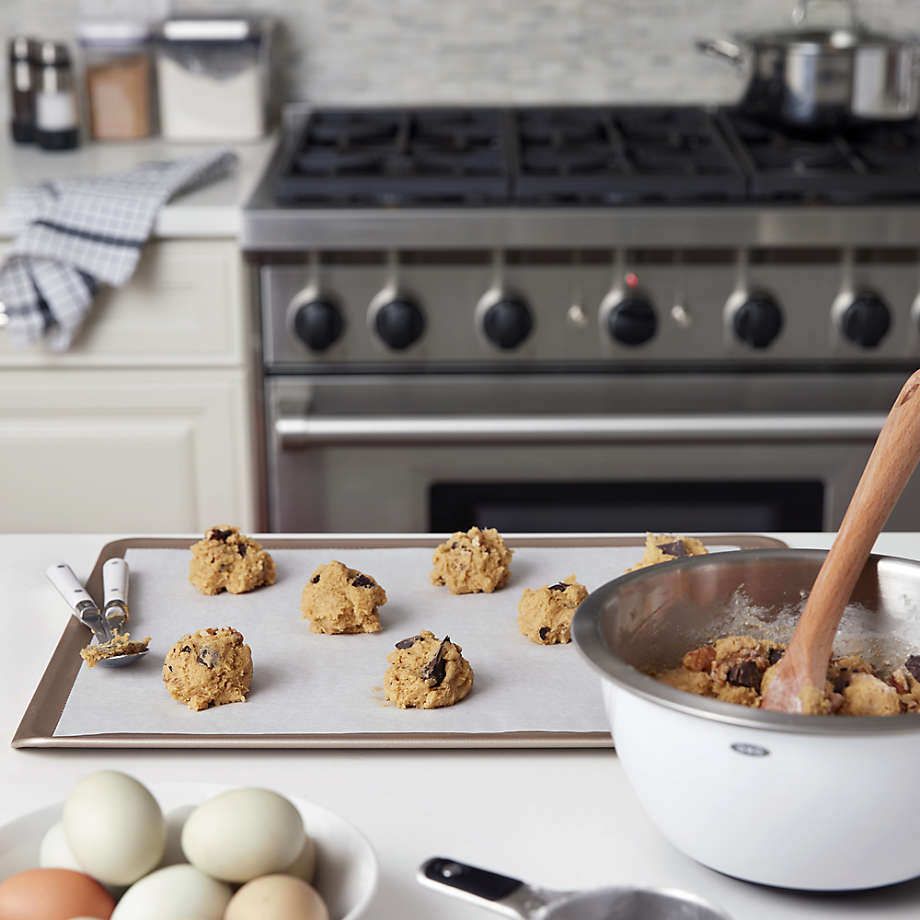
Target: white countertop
{"points": [[213, 211], [565, 819]]}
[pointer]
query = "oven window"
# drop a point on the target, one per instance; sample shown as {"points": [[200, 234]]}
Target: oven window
{"points": [[542, 507]]}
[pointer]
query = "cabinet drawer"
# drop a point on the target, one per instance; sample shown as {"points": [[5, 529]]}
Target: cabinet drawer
{"points": [[183, 306], [124, 451]]}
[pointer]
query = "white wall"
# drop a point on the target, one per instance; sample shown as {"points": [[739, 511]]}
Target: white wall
{"points": [[489, 50]]}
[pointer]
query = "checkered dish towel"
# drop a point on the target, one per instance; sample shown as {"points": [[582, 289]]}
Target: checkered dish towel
{"points": [[84, 232]]}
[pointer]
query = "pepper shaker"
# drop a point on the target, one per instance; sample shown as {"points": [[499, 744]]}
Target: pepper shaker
{"points": [[55, 101], [22, 88]]}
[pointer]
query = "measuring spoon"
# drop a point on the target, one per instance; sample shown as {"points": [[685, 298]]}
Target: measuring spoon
{"points": [[514, 898]]}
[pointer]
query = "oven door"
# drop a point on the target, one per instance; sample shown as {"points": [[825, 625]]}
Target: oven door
{"points": [[571, 454]]}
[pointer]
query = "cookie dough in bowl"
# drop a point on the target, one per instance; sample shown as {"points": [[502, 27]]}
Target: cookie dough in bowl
{"points": [[819, 793]]}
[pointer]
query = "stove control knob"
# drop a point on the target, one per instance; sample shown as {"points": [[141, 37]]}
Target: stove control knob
{"points": [[507, 322], [757, 320], [399, 322], [318, 323], [865, 320], [631, 318]]}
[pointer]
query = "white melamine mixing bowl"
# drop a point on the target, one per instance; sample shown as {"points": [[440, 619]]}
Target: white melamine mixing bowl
{"points": [[809, 802]]}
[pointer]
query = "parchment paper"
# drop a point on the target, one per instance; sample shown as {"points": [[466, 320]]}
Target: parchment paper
{"points": [[307, 683]]}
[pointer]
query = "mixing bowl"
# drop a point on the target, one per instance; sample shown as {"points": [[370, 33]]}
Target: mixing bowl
{"points": [[808, 802]]}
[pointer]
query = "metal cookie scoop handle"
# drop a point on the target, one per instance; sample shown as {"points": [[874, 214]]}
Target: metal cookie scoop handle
{"points": [[84, 608], [115, 593], [890, 465], [62, 577], [514, 898]]}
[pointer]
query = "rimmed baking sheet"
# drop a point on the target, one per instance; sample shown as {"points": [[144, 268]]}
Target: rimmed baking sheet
{"points": [[315, 691]]}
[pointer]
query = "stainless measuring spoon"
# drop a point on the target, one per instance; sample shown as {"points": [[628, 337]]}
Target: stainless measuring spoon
{"points": [[86, 611], [517, 899]]}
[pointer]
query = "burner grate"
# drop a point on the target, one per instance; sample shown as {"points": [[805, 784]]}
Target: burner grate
{"points": [[868, 163], [397, 156], [547, 156], [622, 155]]}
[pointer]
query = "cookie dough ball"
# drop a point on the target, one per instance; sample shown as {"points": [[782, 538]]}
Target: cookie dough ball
{"points": [[209, 668], [665, 547], [866, 695], [228, 560], [426, 673], [545, 615], [338, 600], [470, 562]]}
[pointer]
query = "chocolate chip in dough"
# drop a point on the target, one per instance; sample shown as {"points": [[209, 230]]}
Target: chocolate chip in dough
{"points": [[435, 671], [913, 665], [544, 632], [454, 545], [208, 657], [241, 548], [362, 581], [186, 648], [745, 674], [315, 579], [559, 586], [676, 548], [221, 535], [407, 643], [842, 681], [775, 654]]}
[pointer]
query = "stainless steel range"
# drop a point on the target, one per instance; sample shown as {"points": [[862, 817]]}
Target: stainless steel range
{"points": [[580, 318]]}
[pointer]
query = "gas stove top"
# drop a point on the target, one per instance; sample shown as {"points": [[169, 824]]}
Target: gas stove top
{"points": [[583, 156]]}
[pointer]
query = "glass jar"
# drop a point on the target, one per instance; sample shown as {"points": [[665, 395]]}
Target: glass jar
{"points": [[118, 74]]}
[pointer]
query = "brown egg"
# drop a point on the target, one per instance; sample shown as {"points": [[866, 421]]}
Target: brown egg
{"points": [[53, 894]]}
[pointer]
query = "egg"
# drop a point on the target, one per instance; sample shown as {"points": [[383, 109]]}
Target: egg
{"points": [[54, 852], [174, 893], [53, 894], [114, 827], [276, 897], [305, 865], [243, 833]]}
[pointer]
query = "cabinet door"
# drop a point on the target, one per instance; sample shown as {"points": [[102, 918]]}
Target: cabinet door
{"points": [[183, 306], [122, 451]]}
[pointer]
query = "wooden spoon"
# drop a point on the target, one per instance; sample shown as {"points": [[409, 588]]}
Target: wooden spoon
{"points": [[893, 459]]}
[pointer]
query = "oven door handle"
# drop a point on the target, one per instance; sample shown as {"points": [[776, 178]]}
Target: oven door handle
{"points": [[300, 431]]}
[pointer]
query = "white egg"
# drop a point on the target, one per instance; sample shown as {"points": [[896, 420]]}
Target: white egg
{"points": [[114, 827], [305, 865], [174, 893], [54, 852], [243, 833], [276, 897]]}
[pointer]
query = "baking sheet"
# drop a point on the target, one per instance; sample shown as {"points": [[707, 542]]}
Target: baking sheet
{"points": [[327, 690]]}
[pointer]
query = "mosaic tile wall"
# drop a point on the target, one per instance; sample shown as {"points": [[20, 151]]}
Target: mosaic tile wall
{"points": [[381, 51]]}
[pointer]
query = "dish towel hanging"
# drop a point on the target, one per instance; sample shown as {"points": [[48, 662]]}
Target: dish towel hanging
{"points": [[80, 233]]}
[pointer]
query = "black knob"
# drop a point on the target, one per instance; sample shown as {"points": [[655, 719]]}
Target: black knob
{"points": [[400, 322], [866, 320], [632, 320], [758, 321], [318, 324], [507, 322]]}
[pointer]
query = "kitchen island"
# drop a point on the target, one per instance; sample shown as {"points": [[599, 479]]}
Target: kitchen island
{"points": [[562, 818]]}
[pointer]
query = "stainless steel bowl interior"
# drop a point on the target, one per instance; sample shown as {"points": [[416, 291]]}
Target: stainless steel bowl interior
{"points": [[626, 904], [647, 619]]}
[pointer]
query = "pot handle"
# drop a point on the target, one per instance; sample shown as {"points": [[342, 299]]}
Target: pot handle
{"points": [[722, 48]]}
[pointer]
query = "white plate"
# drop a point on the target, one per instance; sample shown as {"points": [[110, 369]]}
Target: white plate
{"points": [[346, 865]]}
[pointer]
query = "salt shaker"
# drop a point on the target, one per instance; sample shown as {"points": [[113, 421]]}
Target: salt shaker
{"points": [[22, 75], [56, 125]]}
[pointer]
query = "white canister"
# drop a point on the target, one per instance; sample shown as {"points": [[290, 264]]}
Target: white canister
{"points": [[212, 78]]}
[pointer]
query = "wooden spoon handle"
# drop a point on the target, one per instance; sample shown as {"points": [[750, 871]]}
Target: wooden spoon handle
{"points": [[890, 465]]}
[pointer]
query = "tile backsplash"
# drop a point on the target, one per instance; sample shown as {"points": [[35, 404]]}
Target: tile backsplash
{"points": [[402, 51]]}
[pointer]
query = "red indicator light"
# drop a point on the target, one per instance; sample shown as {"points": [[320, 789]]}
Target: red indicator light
{"points": [[632, 279]]}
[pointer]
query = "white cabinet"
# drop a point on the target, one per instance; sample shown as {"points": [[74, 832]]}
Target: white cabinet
{"points": [[145, 424]]}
